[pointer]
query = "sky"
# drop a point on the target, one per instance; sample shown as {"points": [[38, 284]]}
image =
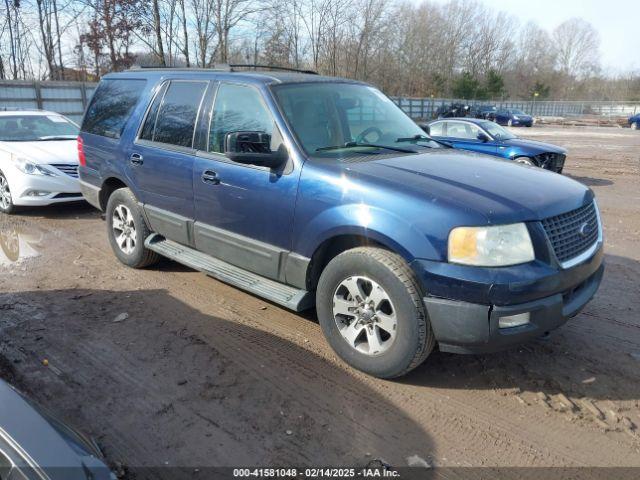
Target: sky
{"points": [[617, 21]]}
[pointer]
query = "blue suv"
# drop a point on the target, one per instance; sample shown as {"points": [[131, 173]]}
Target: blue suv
{"points": [[487, 137], [316, 191]]}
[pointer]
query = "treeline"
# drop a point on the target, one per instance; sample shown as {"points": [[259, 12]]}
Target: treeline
{"points": [[460, 48]]}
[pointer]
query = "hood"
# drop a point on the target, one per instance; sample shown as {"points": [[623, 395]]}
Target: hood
{"points": [[44, 152], [45, 441], [537, 147], [500, 191]]}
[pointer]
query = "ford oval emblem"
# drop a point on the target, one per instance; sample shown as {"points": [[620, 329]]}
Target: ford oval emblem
{"points": [[585, 229]]}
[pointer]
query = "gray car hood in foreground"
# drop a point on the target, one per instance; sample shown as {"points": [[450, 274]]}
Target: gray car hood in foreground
{"points": [[47, 446]]}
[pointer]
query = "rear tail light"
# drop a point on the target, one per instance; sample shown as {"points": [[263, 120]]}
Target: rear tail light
{"points": [[81, 157]]}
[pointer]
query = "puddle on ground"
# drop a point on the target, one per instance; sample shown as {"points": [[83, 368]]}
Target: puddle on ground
{"points": [[18, 242]]}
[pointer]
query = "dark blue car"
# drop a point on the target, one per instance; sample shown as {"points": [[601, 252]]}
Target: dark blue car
{"points": [[487, 137], [320, 192], [634, 122], [512, 117]]}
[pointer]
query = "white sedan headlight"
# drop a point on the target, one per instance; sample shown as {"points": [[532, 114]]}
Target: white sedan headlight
{"points": [[30, 168], [493, 246]]}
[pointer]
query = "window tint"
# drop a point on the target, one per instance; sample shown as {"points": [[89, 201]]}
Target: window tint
{"points": [[152, 115], [465, 131], [111, 107], [436, 129], [178, 112], [238, 108]]}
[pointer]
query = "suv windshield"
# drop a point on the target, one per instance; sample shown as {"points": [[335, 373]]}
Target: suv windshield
{"points": [[497, 132], [518, 112], [32, 128], [331, 119]]}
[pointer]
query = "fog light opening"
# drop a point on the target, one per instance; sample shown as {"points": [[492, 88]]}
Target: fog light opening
{"points": [[514, 320], [38, 193]]}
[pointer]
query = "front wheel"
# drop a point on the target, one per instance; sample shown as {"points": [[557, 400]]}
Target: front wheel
{"points": [[509, 123], [525, 161], [127, 230], [371, 312], [634, 126], [6, 201]]}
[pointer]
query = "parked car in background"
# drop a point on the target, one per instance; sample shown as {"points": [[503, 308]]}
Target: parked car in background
{"points": [[487, 137], [453, 110], [318, 191], [634, 122], [513, 118], [38, 159], [486, 112], [36, 445]]}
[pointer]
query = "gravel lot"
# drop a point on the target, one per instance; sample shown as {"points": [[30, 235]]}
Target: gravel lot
{"points": [[202, 374]]}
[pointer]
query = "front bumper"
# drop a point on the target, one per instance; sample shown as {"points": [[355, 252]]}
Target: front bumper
{"points": [[465, 306], [60, 189]]}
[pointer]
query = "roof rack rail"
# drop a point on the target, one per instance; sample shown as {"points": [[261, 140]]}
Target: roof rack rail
{"points": [[225, 67], [271, 67]]}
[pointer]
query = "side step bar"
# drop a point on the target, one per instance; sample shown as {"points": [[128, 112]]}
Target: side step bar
{"points": [[285, 295]]}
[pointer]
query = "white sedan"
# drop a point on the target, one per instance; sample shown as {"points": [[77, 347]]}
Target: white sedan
{"points": [[38, 159]]}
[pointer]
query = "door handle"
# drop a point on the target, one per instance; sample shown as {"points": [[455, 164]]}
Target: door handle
{"points": [[136, 159], [209, 176]]}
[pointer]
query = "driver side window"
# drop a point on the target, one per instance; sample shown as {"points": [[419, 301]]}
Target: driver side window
{"points": [[237, 108]]}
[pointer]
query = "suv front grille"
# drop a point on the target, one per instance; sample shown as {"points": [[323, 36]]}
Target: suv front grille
{"points": [[574, 232], [68, 168]]}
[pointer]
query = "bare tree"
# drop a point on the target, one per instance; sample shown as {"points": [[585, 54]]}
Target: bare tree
{"points": [[577, 47]]}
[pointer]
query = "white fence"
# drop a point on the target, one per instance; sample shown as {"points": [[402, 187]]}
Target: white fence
{"points": [[67, 98]]}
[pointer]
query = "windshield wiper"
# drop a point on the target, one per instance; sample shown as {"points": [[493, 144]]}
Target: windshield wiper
{"points": [[418, 138], [373, 145], [415, 138]]}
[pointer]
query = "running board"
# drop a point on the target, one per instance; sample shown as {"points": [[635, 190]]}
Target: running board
{"points": [[285, 295]]}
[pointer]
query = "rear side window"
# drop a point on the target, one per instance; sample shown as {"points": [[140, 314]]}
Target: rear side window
{"points": [[111, 106], [174, 115]]}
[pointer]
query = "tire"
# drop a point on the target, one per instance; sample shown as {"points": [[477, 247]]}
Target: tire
{"points": [[6, 201], [634, 126], [412, 339], [509, 123], [125, 213], [525, 160]]}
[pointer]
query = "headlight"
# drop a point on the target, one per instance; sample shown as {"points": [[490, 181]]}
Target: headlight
{"points": [[495, 246], [31, 168]]}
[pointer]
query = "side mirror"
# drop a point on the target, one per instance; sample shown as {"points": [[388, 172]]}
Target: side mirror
{"points": [[254, 148], [483, 137]]}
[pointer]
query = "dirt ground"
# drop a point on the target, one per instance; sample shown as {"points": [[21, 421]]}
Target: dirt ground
{"points": [[202, 374]]}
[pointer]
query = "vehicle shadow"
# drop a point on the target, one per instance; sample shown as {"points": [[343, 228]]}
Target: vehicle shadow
{"points": [[594, 355], [60, 211], [590, 181], [173, 386]]}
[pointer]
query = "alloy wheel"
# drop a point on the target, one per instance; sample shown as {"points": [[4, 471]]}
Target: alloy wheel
{"points": [[5, 193], [124, 229], [634, 126], [364, 315]]}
